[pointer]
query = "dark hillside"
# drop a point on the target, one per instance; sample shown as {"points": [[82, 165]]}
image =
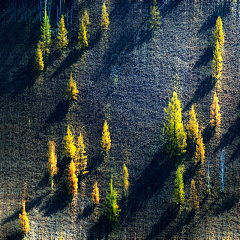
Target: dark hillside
{"points": [[127, 76]]}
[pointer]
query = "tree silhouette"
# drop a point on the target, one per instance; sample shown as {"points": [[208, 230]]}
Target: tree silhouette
{"points": [[155, 16], [81, 159], [125, 179], [23, 220], [194, 204], [200, 149], [215, 115], [72, 91], [82, 37], [217, 62], [62, 35], [218, 33], [52, 161], [95, 194], [106, 140], [45, 33], [179, 194], [105, 17], [72, 184], [69, 144], [193, 125], [38, 60]]}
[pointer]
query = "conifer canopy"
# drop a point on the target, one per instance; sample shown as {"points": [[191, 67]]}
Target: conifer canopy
{"points": [[62, 35], [105, 17], [106, 140], [82, 37]]}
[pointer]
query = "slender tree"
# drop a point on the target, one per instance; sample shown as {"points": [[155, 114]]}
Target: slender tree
{"points": [[81, 162], [193, 125], [52, 161], [106, 140], [194, 204], [155, 16], [23, 220], [112, 210], [200, 149], [215, 114], [62, 35], [72, 91], [125, 179], [218, 33], [217, 62], [85, 17], [38, 60], [69, 144], [45, 33], [95, 194], [82, 37], [179, 194], [105, 17], [173, 130], [72, 184]]}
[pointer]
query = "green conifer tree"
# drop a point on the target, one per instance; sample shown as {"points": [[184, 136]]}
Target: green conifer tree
{"points": [[179, 194], [105, 17], [62, 35], [38, 60], [112, 210], [155, 16], [173, 130], [45, 34], [82, 37]]}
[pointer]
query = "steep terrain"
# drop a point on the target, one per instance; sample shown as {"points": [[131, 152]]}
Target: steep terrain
{"points": [[127, 76]]}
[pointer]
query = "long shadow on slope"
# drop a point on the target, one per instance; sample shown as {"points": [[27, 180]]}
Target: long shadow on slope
{"points": [[222, 11], [205, 58]]}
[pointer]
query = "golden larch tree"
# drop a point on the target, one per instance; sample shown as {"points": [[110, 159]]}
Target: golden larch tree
{"points": [[125, 179], [106, 140], [155, 16], [95, 194], [218, 33], [23, 220], [52, 161], [72, 91], [72, 184], [38, 60], [69, 144], [173, 131], [62, 40], [105, 17], [193, 125], [179, 194], [81, 161], [194, 204], [85, 17], [200, 149], [82, 37], [215, 115], [217, 62]]}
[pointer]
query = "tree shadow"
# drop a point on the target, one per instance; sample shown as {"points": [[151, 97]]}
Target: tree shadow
{"points": [[205, 58], [208, 132]]}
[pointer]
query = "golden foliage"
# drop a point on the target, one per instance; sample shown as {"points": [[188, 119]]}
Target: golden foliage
{"points": [[200, 149], [81, 159], [217, 62], [179, 194], [193, 125], [23, 220], [218, 33], [106, 140], [105, 17], [82, 37], [85, 17], [69, 145], [155, 19], [95, 194], [173, 130], [215, 114], [38, 60], [52, 161], [72, 179], [194, 204], [125, 179], [62, 35], [72, 91]]}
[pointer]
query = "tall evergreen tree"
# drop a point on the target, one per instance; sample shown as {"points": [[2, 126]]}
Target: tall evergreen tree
{"points": [[217, 62], [69, 144], [215, 114], [38, 60], [173, 130], [85, 17], [112, 210], [82, 37], [218, 33], [72, 184], [106, 140], [52, 161], [45, 33], [155, 16], [125, 179], [23, 220], [105, 17], [81, 161], [200, 149], [179, 194], [72, 91], [95, 194], [193, 125], [62, 35]]}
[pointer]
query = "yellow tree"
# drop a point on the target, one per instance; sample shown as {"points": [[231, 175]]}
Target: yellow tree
{"points": [[85, 17], [106, 140], [23, 220], [38, 60], [218, 33], [193, 125], [52, 161], [194, 204], [81, 161], [217, 62], [95, 194], [200, 149], [72, 184], [125, 179], [215, 114], [72, 91], [179, 194], [155, 19], [173, 131], [62, 35], [69, 144], [105, 17], [82, 37]]}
